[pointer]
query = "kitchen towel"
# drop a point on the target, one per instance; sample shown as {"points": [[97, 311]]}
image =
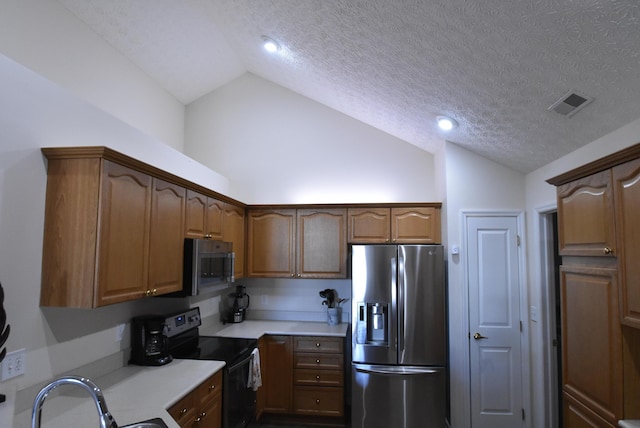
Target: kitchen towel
{"points": [[255, 376]]}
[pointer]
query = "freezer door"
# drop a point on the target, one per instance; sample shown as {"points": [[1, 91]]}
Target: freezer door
{"points": [[374, 315], [398, 397], [421, 305]]}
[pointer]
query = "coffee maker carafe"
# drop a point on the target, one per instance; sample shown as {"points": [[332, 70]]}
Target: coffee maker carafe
{"points": [[149, 342]]}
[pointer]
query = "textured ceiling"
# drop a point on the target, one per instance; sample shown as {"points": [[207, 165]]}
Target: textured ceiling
{"points": [[493, 65]]}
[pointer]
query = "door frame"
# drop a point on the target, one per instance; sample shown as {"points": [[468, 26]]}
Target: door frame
{"points": [[524, 305], [545, 277]]}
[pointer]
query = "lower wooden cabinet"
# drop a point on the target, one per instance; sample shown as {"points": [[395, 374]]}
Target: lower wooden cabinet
{"points": [[303, 376], [202, 407]]}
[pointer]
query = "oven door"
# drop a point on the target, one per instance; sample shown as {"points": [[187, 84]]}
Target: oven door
{"points": [[239, 401]]}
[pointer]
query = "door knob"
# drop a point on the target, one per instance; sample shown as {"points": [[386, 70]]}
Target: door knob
{"points": [[478, 336]]}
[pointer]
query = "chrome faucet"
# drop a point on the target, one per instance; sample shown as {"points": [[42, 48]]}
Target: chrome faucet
{"points": [[106, 420]]}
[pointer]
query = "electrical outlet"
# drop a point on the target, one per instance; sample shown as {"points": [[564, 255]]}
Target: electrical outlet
{"points": [[14, 364]]}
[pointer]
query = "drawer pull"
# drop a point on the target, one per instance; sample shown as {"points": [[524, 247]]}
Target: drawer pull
{"points": [[183, 411], [318, 361], [318, 377], [317, 401], [212, 387], [317, 345], [200, 417]]}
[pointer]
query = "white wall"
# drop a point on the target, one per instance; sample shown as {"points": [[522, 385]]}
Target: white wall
{"points": [[37, 113], [45, 37], [276, 146], [472, 183], [541, 197]]}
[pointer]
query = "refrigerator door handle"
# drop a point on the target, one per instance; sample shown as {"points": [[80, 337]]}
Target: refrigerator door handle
{"points": [[401, 308], [397, 370]]}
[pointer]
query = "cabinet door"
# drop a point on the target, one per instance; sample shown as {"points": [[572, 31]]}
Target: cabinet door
{"points": [[195, 215], [586, 217], [592, 339], [369, 225], [278, 376], [124, 235], [215, 219], [576, 415], [271, 243], [415, 225], [626, 179], [322, 243], [234, 227], [166, 238]]}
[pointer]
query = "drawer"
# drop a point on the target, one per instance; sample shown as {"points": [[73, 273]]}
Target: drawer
{"points": [[318, 344], [210, 388], [318, 378], [318, 361], [318, 401], [184, 410]]}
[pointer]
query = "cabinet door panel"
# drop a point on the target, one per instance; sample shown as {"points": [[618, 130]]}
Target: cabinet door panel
{"points": [[234, 227], [415, 225], [124, 234], [369, 225], [166, 238], [279, 375], [322, 243], [271, 243], [195, 215], [626, 178], [586, 217], [591, 339], [215, 218]]}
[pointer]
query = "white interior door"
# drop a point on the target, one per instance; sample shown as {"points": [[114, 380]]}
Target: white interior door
{"points": [[494, 322]]}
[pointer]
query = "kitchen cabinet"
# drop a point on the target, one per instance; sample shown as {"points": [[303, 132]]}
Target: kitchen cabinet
{"points": [[592, 339], [112, 233], [204, 216], [626, 185], [318, 376], [598, 207], [297, 243], [277, 375], [234, 232], [586, 213], [401, 225], [202, 407]]}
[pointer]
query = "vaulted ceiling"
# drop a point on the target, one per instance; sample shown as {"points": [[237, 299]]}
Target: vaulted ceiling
{"points": [[495, 66]]}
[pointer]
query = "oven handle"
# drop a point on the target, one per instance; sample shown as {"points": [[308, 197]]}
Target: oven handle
{"points": [[241, 363]]}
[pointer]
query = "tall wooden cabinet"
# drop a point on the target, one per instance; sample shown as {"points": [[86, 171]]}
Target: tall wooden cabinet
{"points": [[599, 239]]}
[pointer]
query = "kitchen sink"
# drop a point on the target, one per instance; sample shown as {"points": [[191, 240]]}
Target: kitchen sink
{"points": [[150, 423]]}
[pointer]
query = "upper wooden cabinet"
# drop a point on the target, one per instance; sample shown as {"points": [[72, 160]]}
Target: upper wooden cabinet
{"points": [[234, 227], [586, 216], [401, 225], [305, 243], [626, 186], [204, 216], [111, 234]]}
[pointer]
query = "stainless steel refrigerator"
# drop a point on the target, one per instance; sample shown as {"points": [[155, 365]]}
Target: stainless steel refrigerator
{"points": [[398, 337]]}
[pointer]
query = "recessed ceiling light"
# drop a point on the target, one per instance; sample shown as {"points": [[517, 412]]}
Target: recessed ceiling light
{"points": [[446, 123], [270, 45]]}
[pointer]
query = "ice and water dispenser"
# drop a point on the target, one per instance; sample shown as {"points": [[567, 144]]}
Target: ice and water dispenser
{"points": [[373, 324]]}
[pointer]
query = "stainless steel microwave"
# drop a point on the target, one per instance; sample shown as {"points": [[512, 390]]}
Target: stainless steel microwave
{"points": [[208, 266]]}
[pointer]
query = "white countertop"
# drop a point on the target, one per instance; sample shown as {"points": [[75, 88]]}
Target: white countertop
{"points": [[132, 394], [629, 423], [255, 329]]}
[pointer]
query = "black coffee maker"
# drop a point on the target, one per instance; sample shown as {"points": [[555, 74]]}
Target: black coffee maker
{"points": [[149, 342], [238, 309]]}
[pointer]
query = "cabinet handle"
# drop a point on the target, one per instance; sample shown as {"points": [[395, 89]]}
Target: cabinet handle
{"points": [[155, 291], [317, 345], [317, 401], [292, 275], [212, 387], [318, 361], [148, 293], [318, 377], [200, 417], [299, 275], [183, 411], [607, 250]]}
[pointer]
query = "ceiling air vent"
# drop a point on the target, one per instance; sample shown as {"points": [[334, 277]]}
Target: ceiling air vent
{"points": [[570, 104]]}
